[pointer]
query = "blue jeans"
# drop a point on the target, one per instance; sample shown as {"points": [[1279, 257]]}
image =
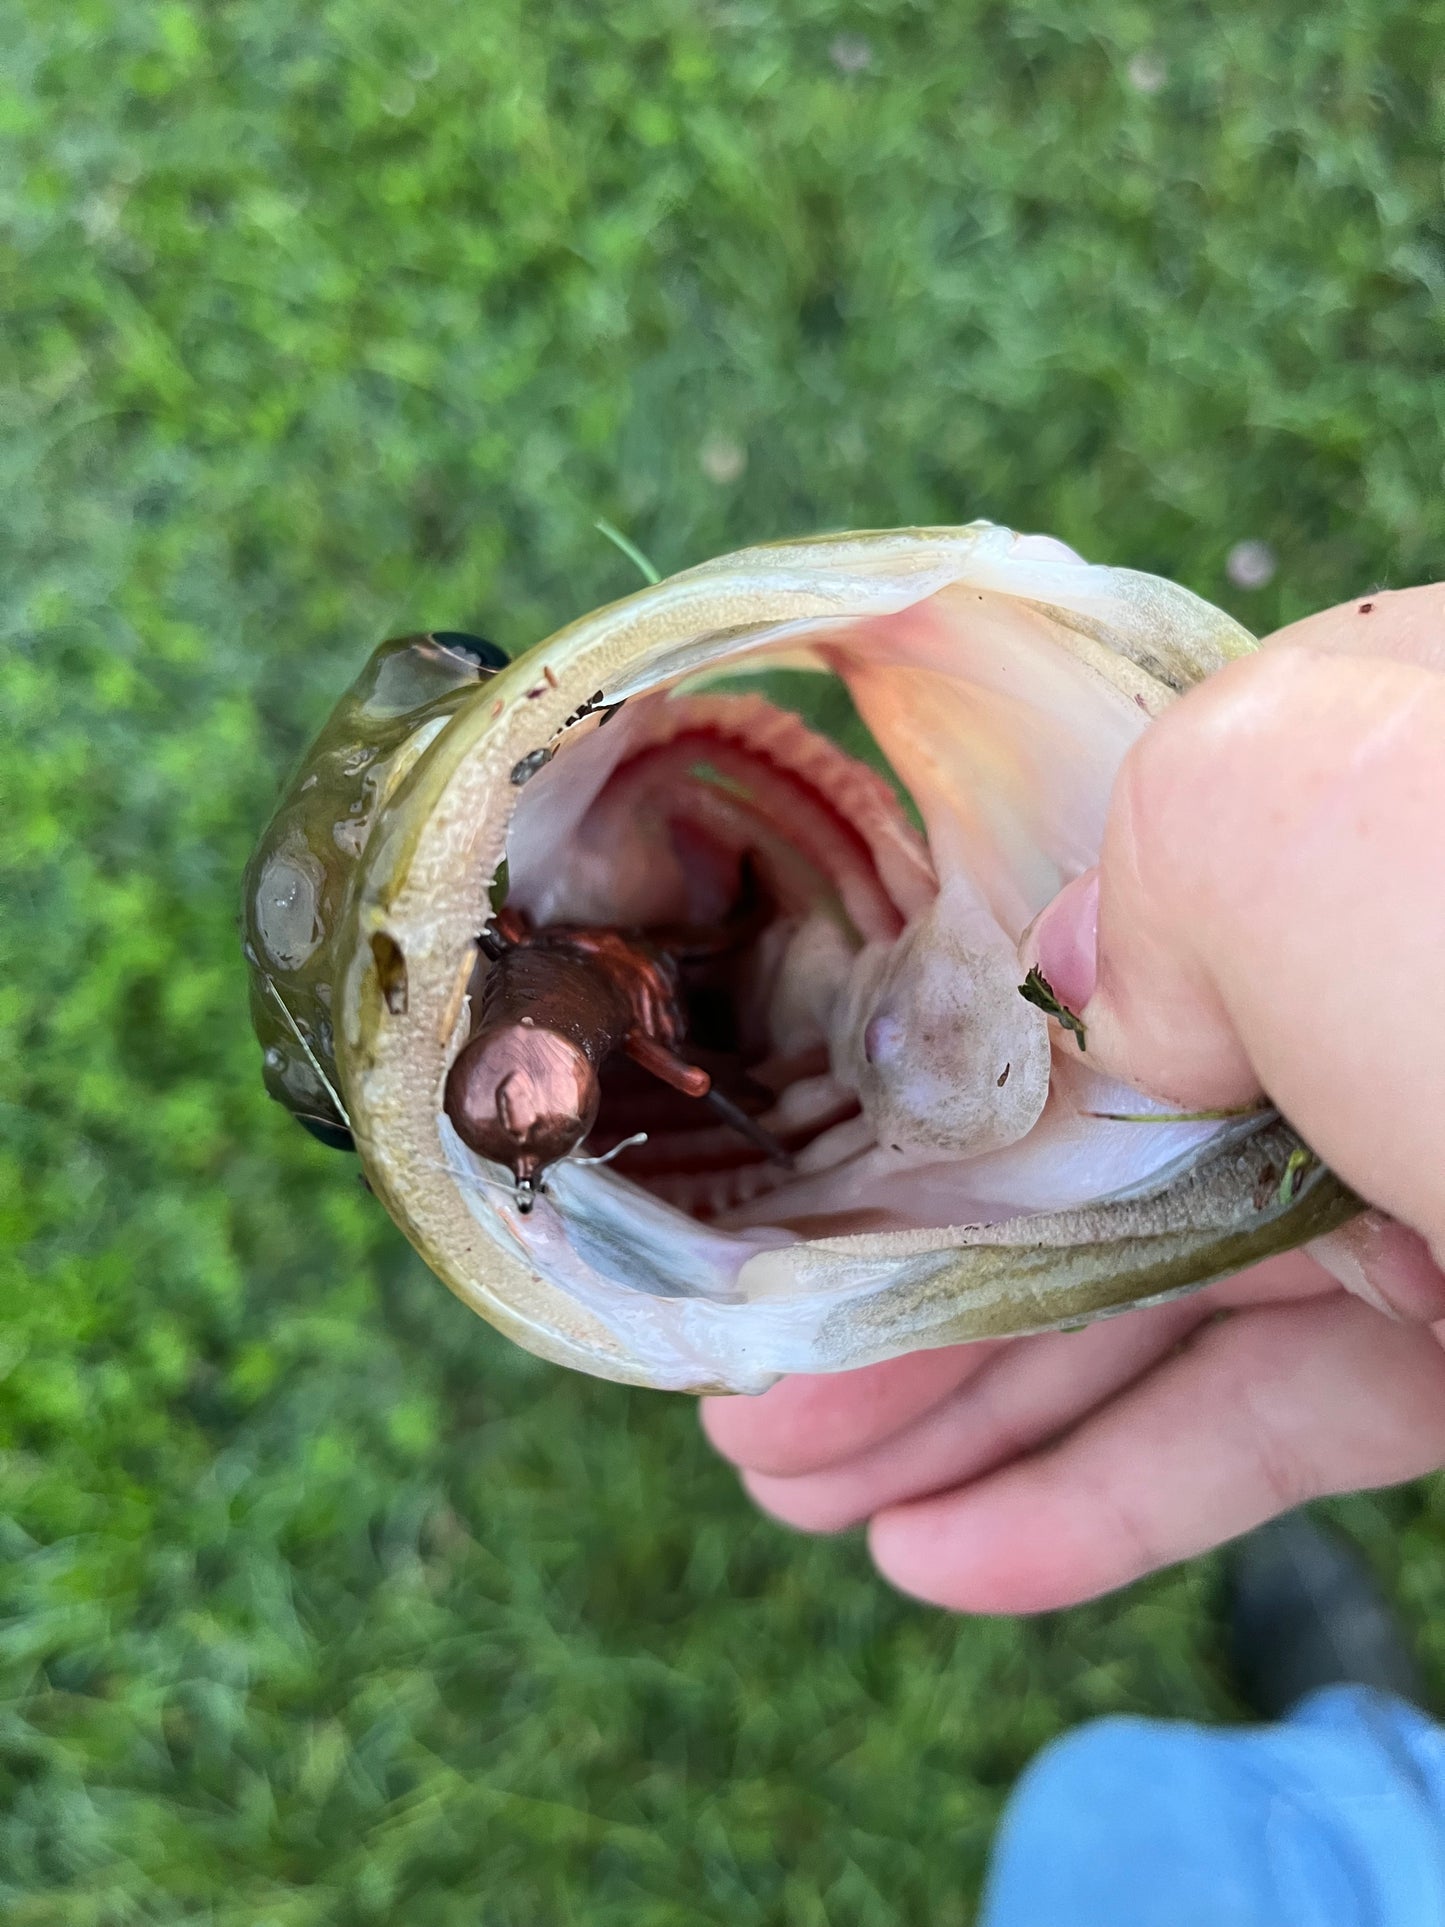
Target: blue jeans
{"points": [[1333, 1818]]}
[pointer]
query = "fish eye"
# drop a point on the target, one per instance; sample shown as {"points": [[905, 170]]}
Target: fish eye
{"points": [[326, 1130], [476, 649]]}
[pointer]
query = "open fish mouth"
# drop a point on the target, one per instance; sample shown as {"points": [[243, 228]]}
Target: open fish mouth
{"points": [[774, 859], [904, 1151]]}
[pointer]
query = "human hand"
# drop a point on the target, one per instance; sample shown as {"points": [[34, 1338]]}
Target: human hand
{"points": [[1268, 913]]}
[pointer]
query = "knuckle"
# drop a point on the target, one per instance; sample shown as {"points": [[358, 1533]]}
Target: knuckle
{"points": [[1132, 1534], [1285, 1476], [1285, 1467]]}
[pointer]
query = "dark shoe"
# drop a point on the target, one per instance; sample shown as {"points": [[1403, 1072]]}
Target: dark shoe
{"points": [[1304, 1612]]}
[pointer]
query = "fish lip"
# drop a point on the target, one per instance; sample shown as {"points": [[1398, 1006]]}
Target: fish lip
{"points": [[424, 874]]}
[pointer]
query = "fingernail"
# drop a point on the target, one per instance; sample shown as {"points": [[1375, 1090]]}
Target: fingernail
{"points": [[1066, 941]]}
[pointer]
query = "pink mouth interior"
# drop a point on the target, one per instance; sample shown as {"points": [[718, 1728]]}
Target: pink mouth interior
{"points": [[729, 817], [710, 810]]}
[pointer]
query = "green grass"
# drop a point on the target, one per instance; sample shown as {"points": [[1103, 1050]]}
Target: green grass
{"points": [[319, 1603]]}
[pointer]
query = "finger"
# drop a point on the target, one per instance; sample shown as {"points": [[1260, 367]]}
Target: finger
{"points": [[808, 1423], [1271, 912], [1405, 624], [1023, 1396], [813, 1420], [1264, 1410], [1387, 1265]]}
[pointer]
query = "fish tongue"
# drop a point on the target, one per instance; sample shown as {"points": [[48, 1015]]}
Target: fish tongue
{"points": [[944, 1054]]}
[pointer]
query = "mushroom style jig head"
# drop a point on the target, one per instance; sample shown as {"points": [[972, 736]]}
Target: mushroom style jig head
{"points": [[526, 1087]]}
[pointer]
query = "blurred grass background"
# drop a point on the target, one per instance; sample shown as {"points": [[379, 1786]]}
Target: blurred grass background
{"points": [[319, 1603]]}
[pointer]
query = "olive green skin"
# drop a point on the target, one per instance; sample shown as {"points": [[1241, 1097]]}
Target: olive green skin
{"points": [[380, 996], [296, 883]]}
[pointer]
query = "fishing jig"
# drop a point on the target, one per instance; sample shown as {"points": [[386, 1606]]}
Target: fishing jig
{"points": [[557, 1003]]}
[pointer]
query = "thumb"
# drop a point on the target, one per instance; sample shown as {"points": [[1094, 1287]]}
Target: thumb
{"points": [[1269, 913]]}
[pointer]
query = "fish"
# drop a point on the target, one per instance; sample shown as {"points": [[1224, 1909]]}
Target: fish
{"points": [[873, 756]]}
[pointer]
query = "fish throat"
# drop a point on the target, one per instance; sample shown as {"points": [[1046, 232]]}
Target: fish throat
{"points": [[718, 966]]}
